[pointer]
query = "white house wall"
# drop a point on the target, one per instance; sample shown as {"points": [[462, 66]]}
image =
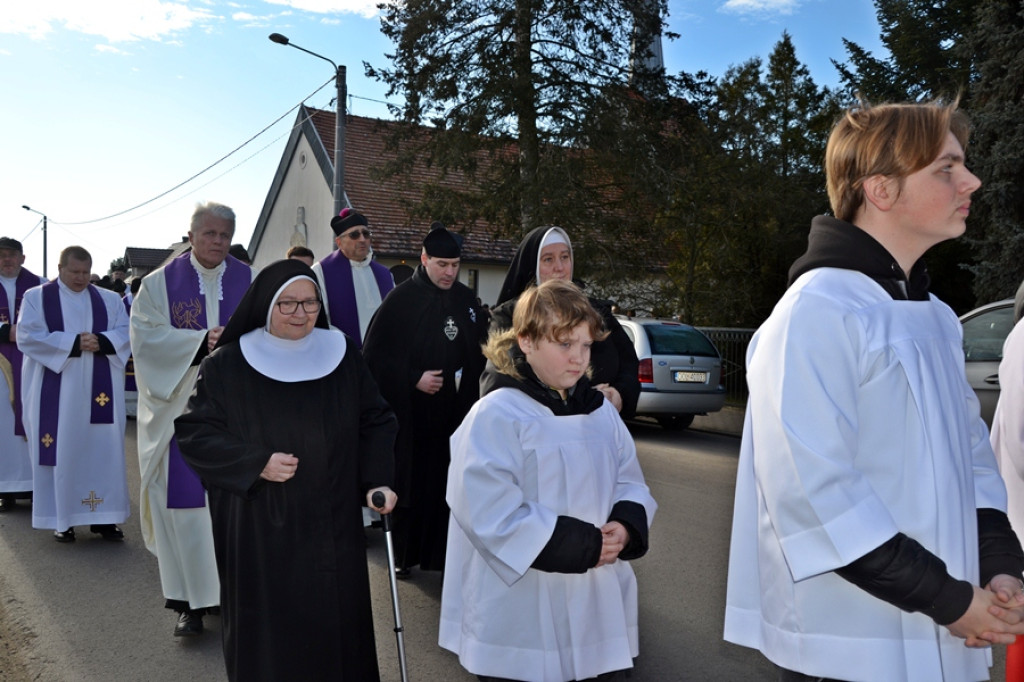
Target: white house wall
{"points": [[303, 187]]}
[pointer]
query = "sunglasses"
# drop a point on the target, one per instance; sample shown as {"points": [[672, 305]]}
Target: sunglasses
{"points": [[356, 234]]}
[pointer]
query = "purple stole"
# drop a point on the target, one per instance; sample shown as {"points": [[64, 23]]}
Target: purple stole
{"points": [[9, 315], [101, 396], [341, 293], [188, 311]]}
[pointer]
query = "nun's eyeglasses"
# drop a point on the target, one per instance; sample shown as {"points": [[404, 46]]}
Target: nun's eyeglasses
{"points": [[291, 307]]}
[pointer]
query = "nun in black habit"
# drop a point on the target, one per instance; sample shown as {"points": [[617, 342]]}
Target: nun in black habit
{"points": [[546, 253], [291, 437]]}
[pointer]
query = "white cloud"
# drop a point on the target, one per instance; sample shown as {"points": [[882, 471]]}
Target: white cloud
{"points": [[109, 49], [115, 20], [366, 8], [760, 6]]}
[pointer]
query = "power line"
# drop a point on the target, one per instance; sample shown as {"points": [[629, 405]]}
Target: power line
{"points": [[196, 175]]}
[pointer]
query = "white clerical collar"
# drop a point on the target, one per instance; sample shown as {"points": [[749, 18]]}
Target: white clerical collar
{"points": [[311, 357], [65, 287], [365, 263], [203, 272]]}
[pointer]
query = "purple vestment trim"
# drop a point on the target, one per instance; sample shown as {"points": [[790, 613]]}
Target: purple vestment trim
{"points": [[100, 397], [341, 292], [183, 495], [25, 281], [187, 306], [188, 311]]}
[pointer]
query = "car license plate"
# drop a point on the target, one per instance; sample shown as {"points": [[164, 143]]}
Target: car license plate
{"points": [[681, 377]]}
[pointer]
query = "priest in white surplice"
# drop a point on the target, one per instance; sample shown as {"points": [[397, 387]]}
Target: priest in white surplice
{"points": [[176, 319], [15, 464], [74, 338]]}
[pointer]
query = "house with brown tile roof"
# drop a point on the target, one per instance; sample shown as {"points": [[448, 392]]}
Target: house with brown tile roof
{"points": [[299, 204]]}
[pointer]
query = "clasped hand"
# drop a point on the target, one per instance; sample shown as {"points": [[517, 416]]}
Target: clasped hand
{"points": [[995, 616], [614, 537], [88, 342]]}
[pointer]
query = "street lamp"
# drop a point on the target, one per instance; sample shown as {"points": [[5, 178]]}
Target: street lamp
{"points": [[339, 120], [44, 235]]}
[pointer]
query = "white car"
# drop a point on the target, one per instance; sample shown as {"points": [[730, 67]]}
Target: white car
{"points": [[985, 331], [680, 371]]}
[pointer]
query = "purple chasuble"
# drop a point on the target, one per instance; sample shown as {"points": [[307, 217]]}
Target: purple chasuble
{"points": [[100, 397], [341, 292], [187, 307], [9, 315]]}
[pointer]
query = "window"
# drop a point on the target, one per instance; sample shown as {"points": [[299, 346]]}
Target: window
{"points": [[985, 333], [671, 339]]}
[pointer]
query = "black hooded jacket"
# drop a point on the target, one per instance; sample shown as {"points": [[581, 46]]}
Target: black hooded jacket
{"points": [[901, 571]]}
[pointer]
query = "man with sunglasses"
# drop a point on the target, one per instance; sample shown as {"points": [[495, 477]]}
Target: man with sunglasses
{"points": [[352, 282]]}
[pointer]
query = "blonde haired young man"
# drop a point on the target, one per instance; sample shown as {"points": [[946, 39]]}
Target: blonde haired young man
{"points": [[870, 540]]}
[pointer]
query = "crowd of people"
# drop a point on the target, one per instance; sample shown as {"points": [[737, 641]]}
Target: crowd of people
{"points": [[871, 539]]}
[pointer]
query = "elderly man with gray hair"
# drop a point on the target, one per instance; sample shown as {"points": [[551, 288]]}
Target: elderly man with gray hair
{"points": [[176, 320]]}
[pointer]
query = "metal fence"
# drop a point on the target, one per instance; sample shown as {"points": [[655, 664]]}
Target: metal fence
{"points": [[732, 344]]}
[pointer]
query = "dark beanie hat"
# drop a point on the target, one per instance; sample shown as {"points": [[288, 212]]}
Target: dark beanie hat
{"points": [[10, 243], [346, 220], [441, 242], [239, 252]]}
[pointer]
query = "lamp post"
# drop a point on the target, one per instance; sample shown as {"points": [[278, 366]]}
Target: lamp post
{"points": [[44, 235], [339, 120]]}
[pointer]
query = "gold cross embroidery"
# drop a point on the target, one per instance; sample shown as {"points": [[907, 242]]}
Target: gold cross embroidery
{"points": [[102, 399], [47, 440], [92, 501]]}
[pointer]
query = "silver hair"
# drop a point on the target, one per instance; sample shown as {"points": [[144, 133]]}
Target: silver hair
{"points": [[210, 208]]}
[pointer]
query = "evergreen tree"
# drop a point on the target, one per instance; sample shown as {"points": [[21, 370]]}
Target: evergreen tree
{"points": [[487, 72], [997, 150], [773, 124], [925, 40]]}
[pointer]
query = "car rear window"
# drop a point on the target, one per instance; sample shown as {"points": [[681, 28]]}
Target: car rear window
{"points": [[670, 339]]}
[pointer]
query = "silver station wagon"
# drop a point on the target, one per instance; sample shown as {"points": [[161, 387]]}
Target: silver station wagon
{"points": [[680, 371]]}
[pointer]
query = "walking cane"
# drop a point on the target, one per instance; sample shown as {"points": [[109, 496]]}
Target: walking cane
{"points": [[378, 500]]}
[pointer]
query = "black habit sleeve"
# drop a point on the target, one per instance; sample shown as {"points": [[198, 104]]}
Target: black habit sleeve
{"points": [[999, 550], [377, 429], [216, 454], [903, 573], [574, 547], [626, 380]]}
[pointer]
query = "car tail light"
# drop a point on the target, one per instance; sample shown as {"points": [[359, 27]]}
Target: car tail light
{"points": [[646, 371]]}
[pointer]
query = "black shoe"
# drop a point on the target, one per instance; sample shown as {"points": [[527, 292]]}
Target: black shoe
{"points": [[6, 504], [64, 535], [403, 573], [108, 530], [189, 624]]}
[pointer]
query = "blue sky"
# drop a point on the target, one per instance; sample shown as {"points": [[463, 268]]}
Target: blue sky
{"points": [[109, 104]]}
